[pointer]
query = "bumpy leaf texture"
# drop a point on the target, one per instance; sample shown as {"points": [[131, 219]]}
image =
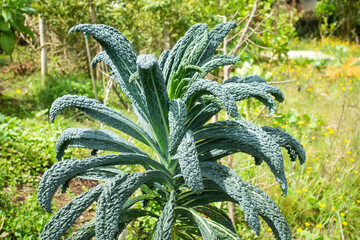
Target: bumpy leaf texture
{"points": [[88, 138], [245, 137], [67, 215], [233, 185], [156, 96], [164, 225], [201, 87], [60, 172], [116, 193], [189, 163], [177, 121]]}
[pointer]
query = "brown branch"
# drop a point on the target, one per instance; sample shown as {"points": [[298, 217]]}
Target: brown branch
{"points": [[282, 82], [240, 42], [257, 44]]}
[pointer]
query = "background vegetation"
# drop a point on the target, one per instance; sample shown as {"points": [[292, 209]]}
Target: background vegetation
{"points": [[321, 106]]}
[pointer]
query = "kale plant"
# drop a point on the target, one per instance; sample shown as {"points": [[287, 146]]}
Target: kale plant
{"points": [[173, 103]]}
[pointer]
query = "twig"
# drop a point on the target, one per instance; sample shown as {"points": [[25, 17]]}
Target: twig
{"points": [[262, 109], [341, 230], [240, 42], [276, 182], [261, 55], [252, 179], [241, 169], [282, 82], [244, 49], [257, 44], [234, 15], [237, 34]]}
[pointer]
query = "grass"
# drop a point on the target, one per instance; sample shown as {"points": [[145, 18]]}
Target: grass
{"points": [[321, 109]]}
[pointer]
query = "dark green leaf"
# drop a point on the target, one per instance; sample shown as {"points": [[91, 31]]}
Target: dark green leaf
{"points": [[201, 87], [235, 187], [189, 163], [60, 172], [7, 43], [67, 215], [216, 36], [284, 139], [156, 97], [164, 225], [177, 121], [115, 194], [88, 138], [245, 137]]}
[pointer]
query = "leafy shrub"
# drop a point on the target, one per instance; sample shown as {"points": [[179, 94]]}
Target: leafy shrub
{"points": [[12, 21], [58, 85], [20, 222], [173, 104]]}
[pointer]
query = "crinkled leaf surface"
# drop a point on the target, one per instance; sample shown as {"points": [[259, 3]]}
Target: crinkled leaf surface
{"points": [[116, 193], [176, 54], [233, 185], [164, 225], [216, 36], [156, 96], [201, 87], [60, 172], [284, 139], [88, 138], [270, 212], [177, 121], [249, 138], [67, 215], [189, 163]]}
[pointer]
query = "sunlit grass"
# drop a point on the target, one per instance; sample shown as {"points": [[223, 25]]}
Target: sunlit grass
{"points": [[321, 110]]}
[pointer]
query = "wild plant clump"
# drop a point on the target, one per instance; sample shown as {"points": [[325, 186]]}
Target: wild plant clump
{"points": [[173, 103]]}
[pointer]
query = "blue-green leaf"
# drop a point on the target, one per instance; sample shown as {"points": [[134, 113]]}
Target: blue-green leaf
{"points": [[245, 137], [270, 212], [177, 121], [164, 225], [284, 139], [102, 113], [235, 187], [216, 215], [261, 91], [214, 62], [100, 173], [162, 59], [211, 230], [115, 194], [195, 49], [201, 87], [175, 56], [189, 163], [116, 45], [156, 97], [216, 36], [132, 89], [60, 172], [88, 138], [67, 215], [202, 115]]}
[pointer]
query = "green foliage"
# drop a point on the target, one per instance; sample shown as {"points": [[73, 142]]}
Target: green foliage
{"points": [[12, 21], [339, 17], [20, 222], [178, 180], [24, 152]]}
